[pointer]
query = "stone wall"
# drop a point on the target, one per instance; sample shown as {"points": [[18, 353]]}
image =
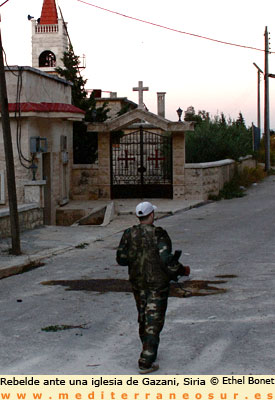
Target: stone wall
{"points": [[30, 216], [84, 182], [93, 181], [38, 86], [203, 179], [200, 180]]}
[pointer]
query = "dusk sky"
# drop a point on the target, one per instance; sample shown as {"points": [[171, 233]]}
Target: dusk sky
{"points": [[192, 71]]}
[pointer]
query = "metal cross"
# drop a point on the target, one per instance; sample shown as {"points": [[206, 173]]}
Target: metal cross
{"points": [[126, 158], [156, 158], [140, 89]]}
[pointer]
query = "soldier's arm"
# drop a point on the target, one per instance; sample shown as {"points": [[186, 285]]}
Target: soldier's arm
{"points": [[173, 268], [122, 250], [164, 245]]}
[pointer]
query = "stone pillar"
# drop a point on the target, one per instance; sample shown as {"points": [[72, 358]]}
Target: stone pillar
{"points": [[161, 104], [34, 192], [104, 173], [178, 164]]}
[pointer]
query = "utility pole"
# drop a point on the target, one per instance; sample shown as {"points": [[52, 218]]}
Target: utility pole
{"points": [[14, 220], [266, 104], [258, 96]]}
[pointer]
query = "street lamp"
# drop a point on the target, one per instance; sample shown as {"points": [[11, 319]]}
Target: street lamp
{"points": [[179, 112]]}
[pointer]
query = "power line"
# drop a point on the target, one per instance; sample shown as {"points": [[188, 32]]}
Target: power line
{"points": [[17, 113], [6, 62], [172, 29], [4, 3]]}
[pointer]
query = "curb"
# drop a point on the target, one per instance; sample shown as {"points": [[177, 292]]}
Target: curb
{"points": [[30, 262], [27, 263]]}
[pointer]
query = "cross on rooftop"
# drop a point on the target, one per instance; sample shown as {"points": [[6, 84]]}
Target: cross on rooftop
{"points": [[140, 89]]}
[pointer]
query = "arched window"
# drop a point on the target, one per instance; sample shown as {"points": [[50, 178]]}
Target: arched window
{"points": [[47, 59]]}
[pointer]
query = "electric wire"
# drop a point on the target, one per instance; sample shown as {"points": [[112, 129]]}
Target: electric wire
{"points": [[17, 115], [6, 62], [4, 3], [174, 30], [68, 36], [18, 111]]}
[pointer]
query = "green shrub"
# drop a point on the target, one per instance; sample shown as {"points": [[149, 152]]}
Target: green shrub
{"points": [[240, 181], [217, 139]]}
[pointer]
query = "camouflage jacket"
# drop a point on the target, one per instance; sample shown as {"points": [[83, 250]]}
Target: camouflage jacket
{"points": [[146, 250]]}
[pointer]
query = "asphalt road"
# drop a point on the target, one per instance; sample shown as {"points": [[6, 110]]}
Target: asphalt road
{"points": [[229, 245]]}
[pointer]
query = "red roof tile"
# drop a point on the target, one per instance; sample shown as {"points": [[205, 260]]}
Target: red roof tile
{"points": [[49, 13], [45, 107]]}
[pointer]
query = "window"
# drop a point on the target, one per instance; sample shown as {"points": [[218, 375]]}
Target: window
{"points": [[47, 59]]}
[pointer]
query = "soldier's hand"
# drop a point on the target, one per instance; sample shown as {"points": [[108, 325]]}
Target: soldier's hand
{"points": [[184, 270]]}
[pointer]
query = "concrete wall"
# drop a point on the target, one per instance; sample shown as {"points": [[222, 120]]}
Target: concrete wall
{"points": [[60, 173], [203, 179], [21, 174], [30, 216], [38, 87]]}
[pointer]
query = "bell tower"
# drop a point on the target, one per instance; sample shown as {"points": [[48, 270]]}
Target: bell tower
{"points": [[49, 39]]}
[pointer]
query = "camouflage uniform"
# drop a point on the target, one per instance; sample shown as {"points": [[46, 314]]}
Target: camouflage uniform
{"points": [[146, 250]]}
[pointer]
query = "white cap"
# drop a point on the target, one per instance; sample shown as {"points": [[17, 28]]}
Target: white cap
{"points": [[144, 208]]}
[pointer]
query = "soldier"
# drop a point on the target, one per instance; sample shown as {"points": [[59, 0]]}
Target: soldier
{"points": [[147, 250]]}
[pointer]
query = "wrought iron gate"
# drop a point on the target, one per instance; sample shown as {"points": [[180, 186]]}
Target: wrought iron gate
{"points": [[141, 165]]}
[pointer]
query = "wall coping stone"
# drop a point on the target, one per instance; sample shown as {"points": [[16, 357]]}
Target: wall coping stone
{"points": [[219, 163], [212, 164], [4, 212], [38, 72], [35, 183], [85, 166], [248, 157]]}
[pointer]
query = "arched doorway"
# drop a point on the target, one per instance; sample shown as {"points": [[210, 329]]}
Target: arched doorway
{"points": [[47, 59]]}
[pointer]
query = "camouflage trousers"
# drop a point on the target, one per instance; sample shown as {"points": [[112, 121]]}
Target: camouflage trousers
{"points": [[151, 306]]}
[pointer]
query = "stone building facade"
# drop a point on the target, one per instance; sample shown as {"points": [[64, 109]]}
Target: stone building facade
{"points": [[42, 128]]}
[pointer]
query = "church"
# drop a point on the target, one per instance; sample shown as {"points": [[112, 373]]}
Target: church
{"points": [[139, 154], [41, 119]]}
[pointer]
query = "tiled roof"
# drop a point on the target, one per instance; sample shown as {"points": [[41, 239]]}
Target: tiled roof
{"points": [[49, 13], [45, 107]]}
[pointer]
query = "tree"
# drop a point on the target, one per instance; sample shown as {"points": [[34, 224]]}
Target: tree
{"points": [[71, 73], [222, 120], [216, 139], [190, 115], [84, 143], [240, 120]]}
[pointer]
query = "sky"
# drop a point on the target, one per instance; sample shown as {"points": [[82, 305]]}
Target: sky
{"points": [[192, 71]]}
